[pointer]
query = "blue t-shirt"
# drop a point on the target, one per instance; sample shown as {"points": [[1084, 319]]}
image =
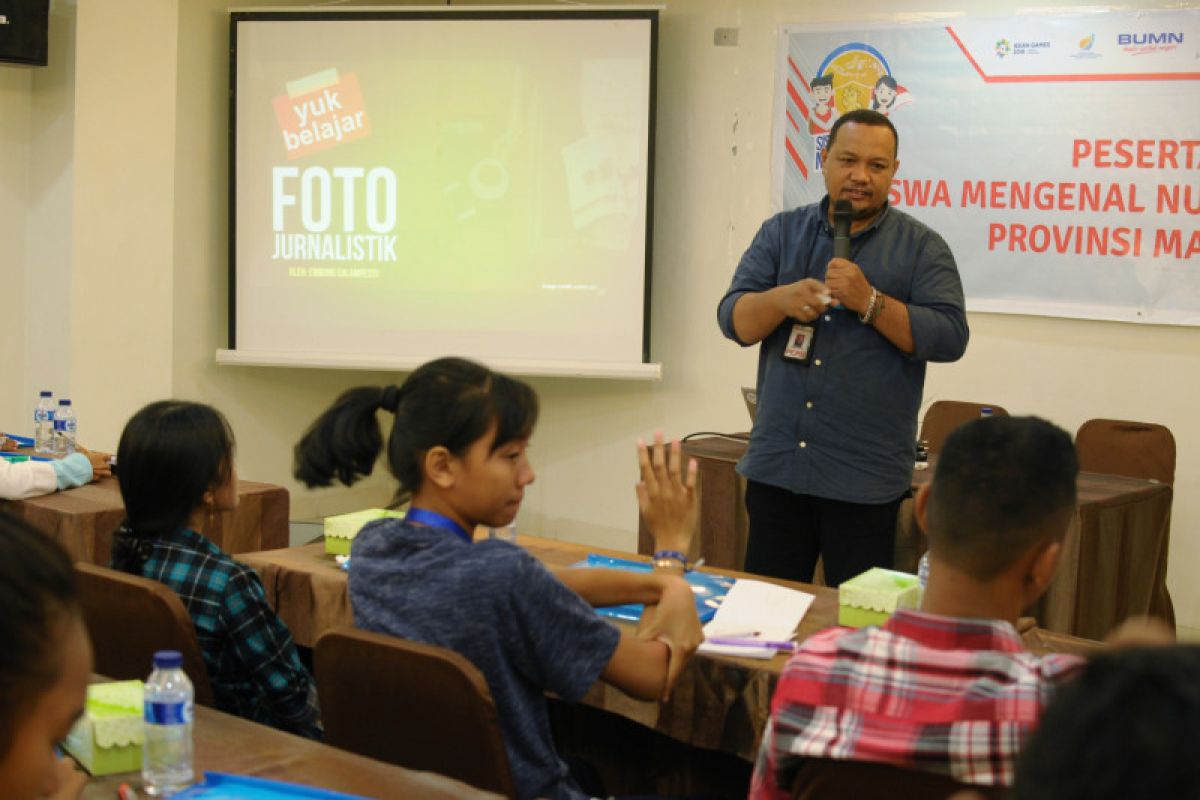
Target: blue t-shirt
{"points": [[843, 426], [505, 612]]}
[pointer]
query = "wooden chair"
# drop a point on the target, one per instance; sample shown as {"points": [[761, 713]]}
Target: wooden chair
{"points": [[1135, 450], [945, 415], [128, 618], [834, 779], [415, 705]]}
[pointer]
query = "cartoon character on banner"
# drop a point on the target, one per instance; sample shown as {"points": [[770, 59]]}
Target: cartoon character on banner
{"points": [[852, 76]]}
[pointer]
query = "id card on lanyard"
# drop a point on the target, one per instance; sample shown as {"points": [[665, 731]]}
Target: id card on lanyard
{"points": [[799, 343]]}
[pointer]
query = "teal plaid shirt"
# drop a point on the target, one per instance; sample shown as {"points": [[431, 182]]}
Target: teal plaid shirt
{"points": [[252, 662]]}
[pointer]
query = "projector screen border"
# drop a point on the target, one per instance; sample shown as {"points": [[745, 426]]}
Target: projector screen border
{"points": [[541, 369]]}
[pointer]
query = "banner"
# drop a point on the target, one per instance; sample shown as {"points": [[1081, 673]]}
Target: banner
{"points": [[1058, 156]]}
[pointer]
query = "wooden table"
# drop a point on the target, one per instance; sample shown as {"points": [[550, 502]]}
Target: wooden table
{"points": [[720, 702], [225, 743], [83, 520], [1114, 563]]}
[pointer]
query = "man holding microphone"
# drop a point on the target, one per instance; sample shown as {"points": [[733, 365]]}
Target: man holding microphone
{"points": [[845, 329]]}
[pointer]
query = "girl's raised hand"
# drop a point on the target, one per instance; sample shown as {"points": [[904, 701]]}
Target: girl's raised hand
{"points": [[666, 497]]}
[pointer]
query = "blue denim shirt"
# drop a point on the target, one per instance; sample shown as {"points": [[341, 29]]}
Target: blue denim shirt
{"points": [[843, 426]]}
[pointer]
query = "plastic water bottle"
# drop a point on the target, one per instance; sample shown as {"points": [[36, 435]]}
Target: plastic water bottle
{"points": [[65, 427], [986, 411], [923, 569], [506, 534], [43, 423], [167, 752]]}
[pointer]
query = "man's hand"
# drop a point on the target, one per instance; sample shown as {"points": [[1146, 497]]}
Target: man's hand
{"points": [[848, 285], [101, 468], [804, 300], [676, 625], [666, 499]]}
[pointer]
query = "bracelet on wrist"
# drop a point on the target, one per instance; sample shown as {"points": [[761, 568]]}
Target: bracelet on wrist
{"points": [[670, 558], [865, 317], [874, 306]]}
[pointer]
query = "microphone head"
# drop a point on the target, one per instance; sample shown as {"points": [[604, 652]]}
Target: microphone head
{"points": [[843, 213], [843, 209]]}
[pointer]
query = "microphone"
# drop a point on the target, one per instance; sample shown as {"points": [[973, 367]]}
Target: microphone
{"points": [[842, 212]]}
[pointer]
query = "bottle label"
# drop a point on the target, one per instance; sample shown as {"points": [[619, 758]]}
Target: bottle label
{"points": [[168, 713], [60, 424]]}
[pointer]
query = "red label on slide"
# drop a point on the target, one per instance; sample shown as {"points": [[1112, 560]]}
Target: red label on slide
{"points": [[320, 117]]}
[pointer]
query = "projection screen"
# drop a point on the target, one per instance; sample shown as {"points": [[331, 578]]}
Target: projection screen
{"points": [[406, 185]]}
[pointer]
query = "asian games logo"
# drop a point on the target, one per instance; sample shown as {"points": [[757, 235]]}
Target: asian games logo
{"points": [[1003, 48], [1085, 48]]}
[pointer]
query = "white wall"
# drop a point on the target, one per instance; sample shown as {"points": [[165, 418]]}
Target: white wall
{"points": [[47, 341], [15, 101], [712, 191]]}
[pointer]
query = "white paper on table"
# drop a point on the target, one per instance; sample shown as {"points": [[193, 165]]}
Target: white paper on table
{"points": [[758, 610]]}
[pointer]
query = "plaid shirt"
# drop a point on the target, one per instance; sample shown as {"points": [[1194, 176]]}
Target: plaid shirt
{"points": [[252, 662], [949, 695]]}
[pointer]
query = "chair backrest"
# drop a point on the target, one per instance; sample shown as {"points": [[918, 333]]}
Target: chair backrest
{"points": [[415, 705], [945, 415], [1133, 449], [835, 779], [129, 617]]}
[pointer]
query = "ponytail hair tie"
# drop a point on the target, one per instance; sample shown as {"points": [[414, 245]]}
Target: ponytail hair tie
{"points": [[390, 399]]}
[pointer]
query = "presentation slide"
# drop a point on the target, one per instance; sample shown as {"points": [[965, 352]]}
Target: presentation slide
{"points": [[413, 186]]}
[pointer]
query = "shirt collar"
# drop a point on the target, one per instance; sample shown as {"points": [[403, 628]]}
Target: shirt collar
{"points": [[955, 633], [187, 537], [823, 213]]}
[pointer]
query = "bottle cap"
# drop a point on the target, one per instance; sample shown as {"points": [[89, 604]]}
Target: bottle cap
{"points": [[64, 402], [168, 659], [44, 393]]}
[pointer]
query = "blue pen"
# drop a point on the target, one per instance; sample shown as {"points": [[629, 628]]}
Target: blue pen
{"points": [[738, 642]]}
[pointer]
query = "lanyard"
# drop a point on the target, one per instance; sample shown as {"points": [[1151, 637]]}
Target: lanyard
{"points": [[423, 516]]}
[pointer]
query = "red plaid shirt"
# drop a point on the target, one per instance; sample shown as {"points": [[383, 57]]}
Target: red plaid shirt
{"points": [[945, 694]]}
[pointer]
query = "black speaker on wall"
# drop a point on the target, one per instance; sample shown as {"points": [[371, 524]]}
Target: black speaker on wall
{"points": [[24, 31]]}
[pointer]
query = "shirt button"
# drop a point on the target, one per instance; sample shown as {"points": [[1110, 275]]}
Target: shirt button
{"points": [[817, 362], [828, 318], [804, 444], [808, 404]]}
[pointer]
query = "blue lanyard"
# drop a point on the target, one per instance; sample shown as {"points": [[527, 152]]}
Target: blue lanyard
{"points": [[423, 516]]}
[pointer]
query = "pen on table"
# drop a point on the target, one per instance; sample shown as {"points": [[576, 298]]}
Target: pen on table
{"points": [[742, 642]]}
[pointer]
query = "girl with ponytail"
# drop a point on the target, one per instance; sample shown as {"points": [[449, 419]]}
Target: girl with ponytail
{"points": [[458, 449]]}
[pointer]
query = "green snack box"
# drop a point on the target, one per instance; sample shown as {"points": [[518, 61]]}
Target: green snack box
{"points": [[108, 738], [341, 530], [870, 598]]}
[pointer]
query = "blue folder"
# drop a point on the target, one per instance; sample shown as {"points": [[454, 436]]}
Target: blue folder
{"points": [[221, 786], [710, 590]]}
